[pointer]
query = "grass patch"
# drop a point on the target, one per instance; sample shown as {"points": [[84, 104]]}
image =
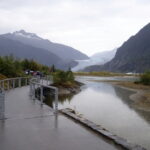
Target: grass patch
{"points": [[103, 74]]}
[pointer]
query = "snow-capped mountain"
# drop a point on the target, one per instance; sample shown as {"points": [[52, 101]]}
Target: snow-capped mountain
{"points": [[66, 53], [96, 59], [22, 44], [24, 34]]}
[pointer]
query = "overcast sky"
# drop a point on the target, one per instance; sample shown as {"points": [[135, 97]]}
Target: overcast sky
{"points": [[88, 25]]}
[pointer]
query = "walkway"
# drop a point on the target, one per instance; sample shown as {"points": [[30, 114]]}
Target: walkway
{"points": [[30, 126]]}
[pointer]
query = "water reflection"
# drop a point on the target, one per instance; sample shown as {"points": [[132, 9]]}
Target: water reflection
{"points": [[124, 96], [49, 100], [110, 107]]}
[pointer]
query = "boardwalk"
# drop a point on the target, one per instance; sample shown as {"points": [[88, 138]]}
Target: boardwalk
{"points": [[30, 126]]}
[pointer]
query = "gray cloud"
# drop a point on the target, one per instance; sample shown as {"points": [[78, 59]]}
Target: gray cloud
{"points": [[88, 25]]}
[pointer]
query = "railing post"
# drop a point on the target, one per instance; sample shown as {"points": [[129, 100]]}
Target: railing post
{"points": [[47, 80], [3, 85], [41, 94], [39, 80], [13, 83], [26, 81], [56, 100], [7, 84], [33, 83], [19, 82], [30, 88], [33, 91], [2, 105]]}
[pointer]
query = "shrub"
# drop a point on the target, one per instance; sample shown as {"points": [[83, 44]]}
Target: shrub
{"points": [[145, 78], [63, 78], [2, 77]]}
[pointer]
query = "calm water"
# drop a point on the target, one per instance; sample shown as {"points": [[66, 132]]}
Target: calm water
{"points": [[110, 107]]}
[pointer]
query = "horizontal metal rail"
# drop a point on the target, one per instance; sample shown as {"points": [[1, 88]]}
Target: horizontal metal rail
{"points": [[7, 84], [11, 83], [41, 83]]}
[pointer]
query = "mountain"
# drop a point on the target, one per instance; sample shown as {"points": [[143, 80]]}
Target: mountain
{"points": [[20, 50], [66, 53], [96, 59], [105, 56], [132, 56]]}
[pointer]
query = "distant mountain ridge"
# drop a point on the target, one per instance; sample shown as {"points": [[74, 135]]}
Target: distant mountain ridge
{"points": [[132, 56], [22, 44], [105, 56], [66, 53], [20, 50]]}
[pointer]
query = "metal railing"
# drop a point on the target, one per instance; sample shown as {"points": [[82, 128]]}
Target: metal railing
{"points": [[46, 80], [6, 85], [11, 83], [37, 83]]}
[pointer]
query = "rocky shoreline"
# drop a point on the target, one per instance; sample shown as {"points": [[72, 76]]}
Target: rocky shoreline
{"points": [[141, 96]]}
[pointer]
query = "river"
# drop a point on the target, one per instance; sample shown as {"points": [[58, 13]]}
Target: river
{"points": [[111, 107]]}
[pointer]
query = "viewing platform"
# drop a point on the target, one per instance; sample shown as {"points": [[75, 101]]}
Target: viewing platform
{"points": [[27, 123], [30, 125]]}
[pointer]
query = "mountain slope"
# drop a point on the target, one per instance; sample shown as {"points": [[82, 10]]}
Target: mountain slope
{"points": [[105, 56], [19, 50], [64, 52], [132, 56]]}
